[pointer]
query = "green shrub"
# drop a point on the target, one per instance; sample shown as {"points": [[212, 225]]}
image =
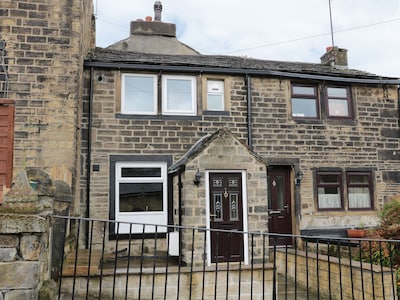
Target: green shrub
{"points": [[390, 220]]}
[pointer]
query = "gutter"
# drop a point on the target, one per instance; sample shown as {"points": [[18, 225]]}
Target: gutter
{"points": [[236, 71]]}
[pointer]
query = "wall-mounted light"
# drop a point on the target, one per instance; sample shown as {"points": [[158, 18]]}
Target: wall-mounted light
{"points": [[299, 178], [197, 177]]}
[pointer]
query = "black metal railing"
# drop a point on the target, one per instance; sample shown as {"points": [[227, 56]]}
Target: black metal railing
{"points": [[149, 266]]}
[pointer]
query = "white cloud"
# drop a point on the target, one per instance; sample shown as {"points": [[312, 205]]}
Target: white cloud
{"points": [[289, 30]]}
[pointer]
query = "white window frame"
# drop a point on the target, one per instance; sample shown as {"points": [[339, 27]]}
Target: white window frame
{"points": [[166, 111], [213, 92], [124, 109], [150, 217]]}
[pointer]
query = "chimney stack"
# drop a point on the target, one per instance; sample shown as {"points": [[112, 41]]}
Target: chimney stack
{"points": [[157, 11], [335, 57]]}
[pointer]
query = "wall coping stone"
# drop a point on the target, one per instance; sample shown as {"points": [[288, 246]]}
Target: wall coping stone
{"points": [[23, 223]]}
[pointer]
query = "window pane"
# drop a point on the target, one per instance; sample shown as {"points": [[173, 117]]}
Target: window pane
{"points": [[337, 92], [338, 107], [217, 207], [179, 95], [215, 102], [304, 107], [233, 207], [329, 197], [215, 95], [139, 94], [140, 172], [135, 197], [358, 178], [329, 179], [359, 197], [303, 90]]}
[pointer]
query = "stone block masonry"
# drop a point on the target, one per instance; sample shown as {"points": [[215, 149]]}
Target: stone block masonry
{"points": [[46, 43], [27, 238], [345, 280]]}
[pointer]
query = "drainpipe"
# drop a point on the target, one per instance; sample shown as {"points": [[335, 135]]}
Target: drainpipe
{"points": [[249, 115], [89, 152], [180, 185]]}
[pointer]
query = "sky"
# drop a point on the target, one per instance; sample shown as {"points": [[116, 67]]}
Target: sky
{"points": [[283, 30]]}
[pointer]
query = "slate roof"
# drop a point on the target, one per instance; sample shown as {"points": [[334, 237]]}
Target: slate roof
{"points": [[108, 56]]}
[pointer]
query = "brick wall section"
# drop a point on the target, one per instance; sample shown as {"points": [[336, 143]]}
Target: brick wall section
{"points": [[370, 141], [46, 43]]}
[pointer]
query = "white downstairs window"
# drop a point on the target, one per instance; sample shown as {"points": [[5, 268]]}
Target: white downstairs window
{"points": [[141, 196]]}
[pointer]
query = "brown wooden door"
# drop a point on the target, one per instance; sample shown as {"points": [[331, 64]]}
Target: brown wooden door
{"points": [[226, 213], [279, 205], [6, 143]]}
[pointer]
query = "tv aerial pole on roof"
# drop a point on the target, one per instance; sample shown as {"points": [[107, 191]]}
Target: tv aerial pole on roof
{"points": [[331, 22]]}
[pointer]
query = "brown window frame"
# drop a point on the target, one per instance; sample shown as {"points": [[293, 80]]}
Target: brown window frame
{"points": [[338, 184], [344, 183], [368, 184], [348, 100], [302, 96]]}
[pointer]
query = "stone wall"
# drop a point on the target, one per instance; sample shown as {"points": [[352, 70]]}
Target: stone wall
{"points": [[25, 239], [246, 283], [339, 278], [46, 45], [370, 141]]}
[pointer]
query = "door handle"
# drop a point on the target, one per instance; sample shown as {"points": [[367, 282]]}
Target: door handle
{"points": [[286, 206]]}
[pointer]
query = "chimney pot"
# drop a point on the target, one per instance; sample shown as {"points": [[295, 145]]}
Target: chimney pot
{"points": [[149, 19]]}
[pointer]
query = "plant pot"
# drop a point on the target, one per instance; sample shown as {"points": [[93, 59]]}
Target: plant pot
{"points": [[355, 233]]}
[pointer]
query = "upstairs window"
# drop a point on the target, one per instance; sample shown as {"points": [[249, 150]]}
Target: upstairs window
{"points": [[215, 95], [179, 95], [304, 101], [140, 95], [338, 102]]}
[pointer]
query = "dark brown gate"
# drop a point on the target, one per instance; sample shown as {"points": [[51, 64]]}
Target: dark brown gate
{"points": [[226, 213], [6, 142], [279, 205]]}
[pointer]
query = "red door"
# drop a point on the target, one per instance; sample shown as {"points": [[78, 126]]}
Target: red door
{"points": [[6, 143], [226, 214], [279, 205]]}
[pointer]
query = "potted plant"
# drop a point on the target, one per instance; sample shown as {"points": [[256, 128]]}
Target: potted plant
{"points": [[356, 232]]}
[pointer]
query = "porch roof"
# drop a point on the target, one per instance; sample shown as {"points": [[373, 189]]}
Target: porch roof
{"points": [[201, 144]]}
